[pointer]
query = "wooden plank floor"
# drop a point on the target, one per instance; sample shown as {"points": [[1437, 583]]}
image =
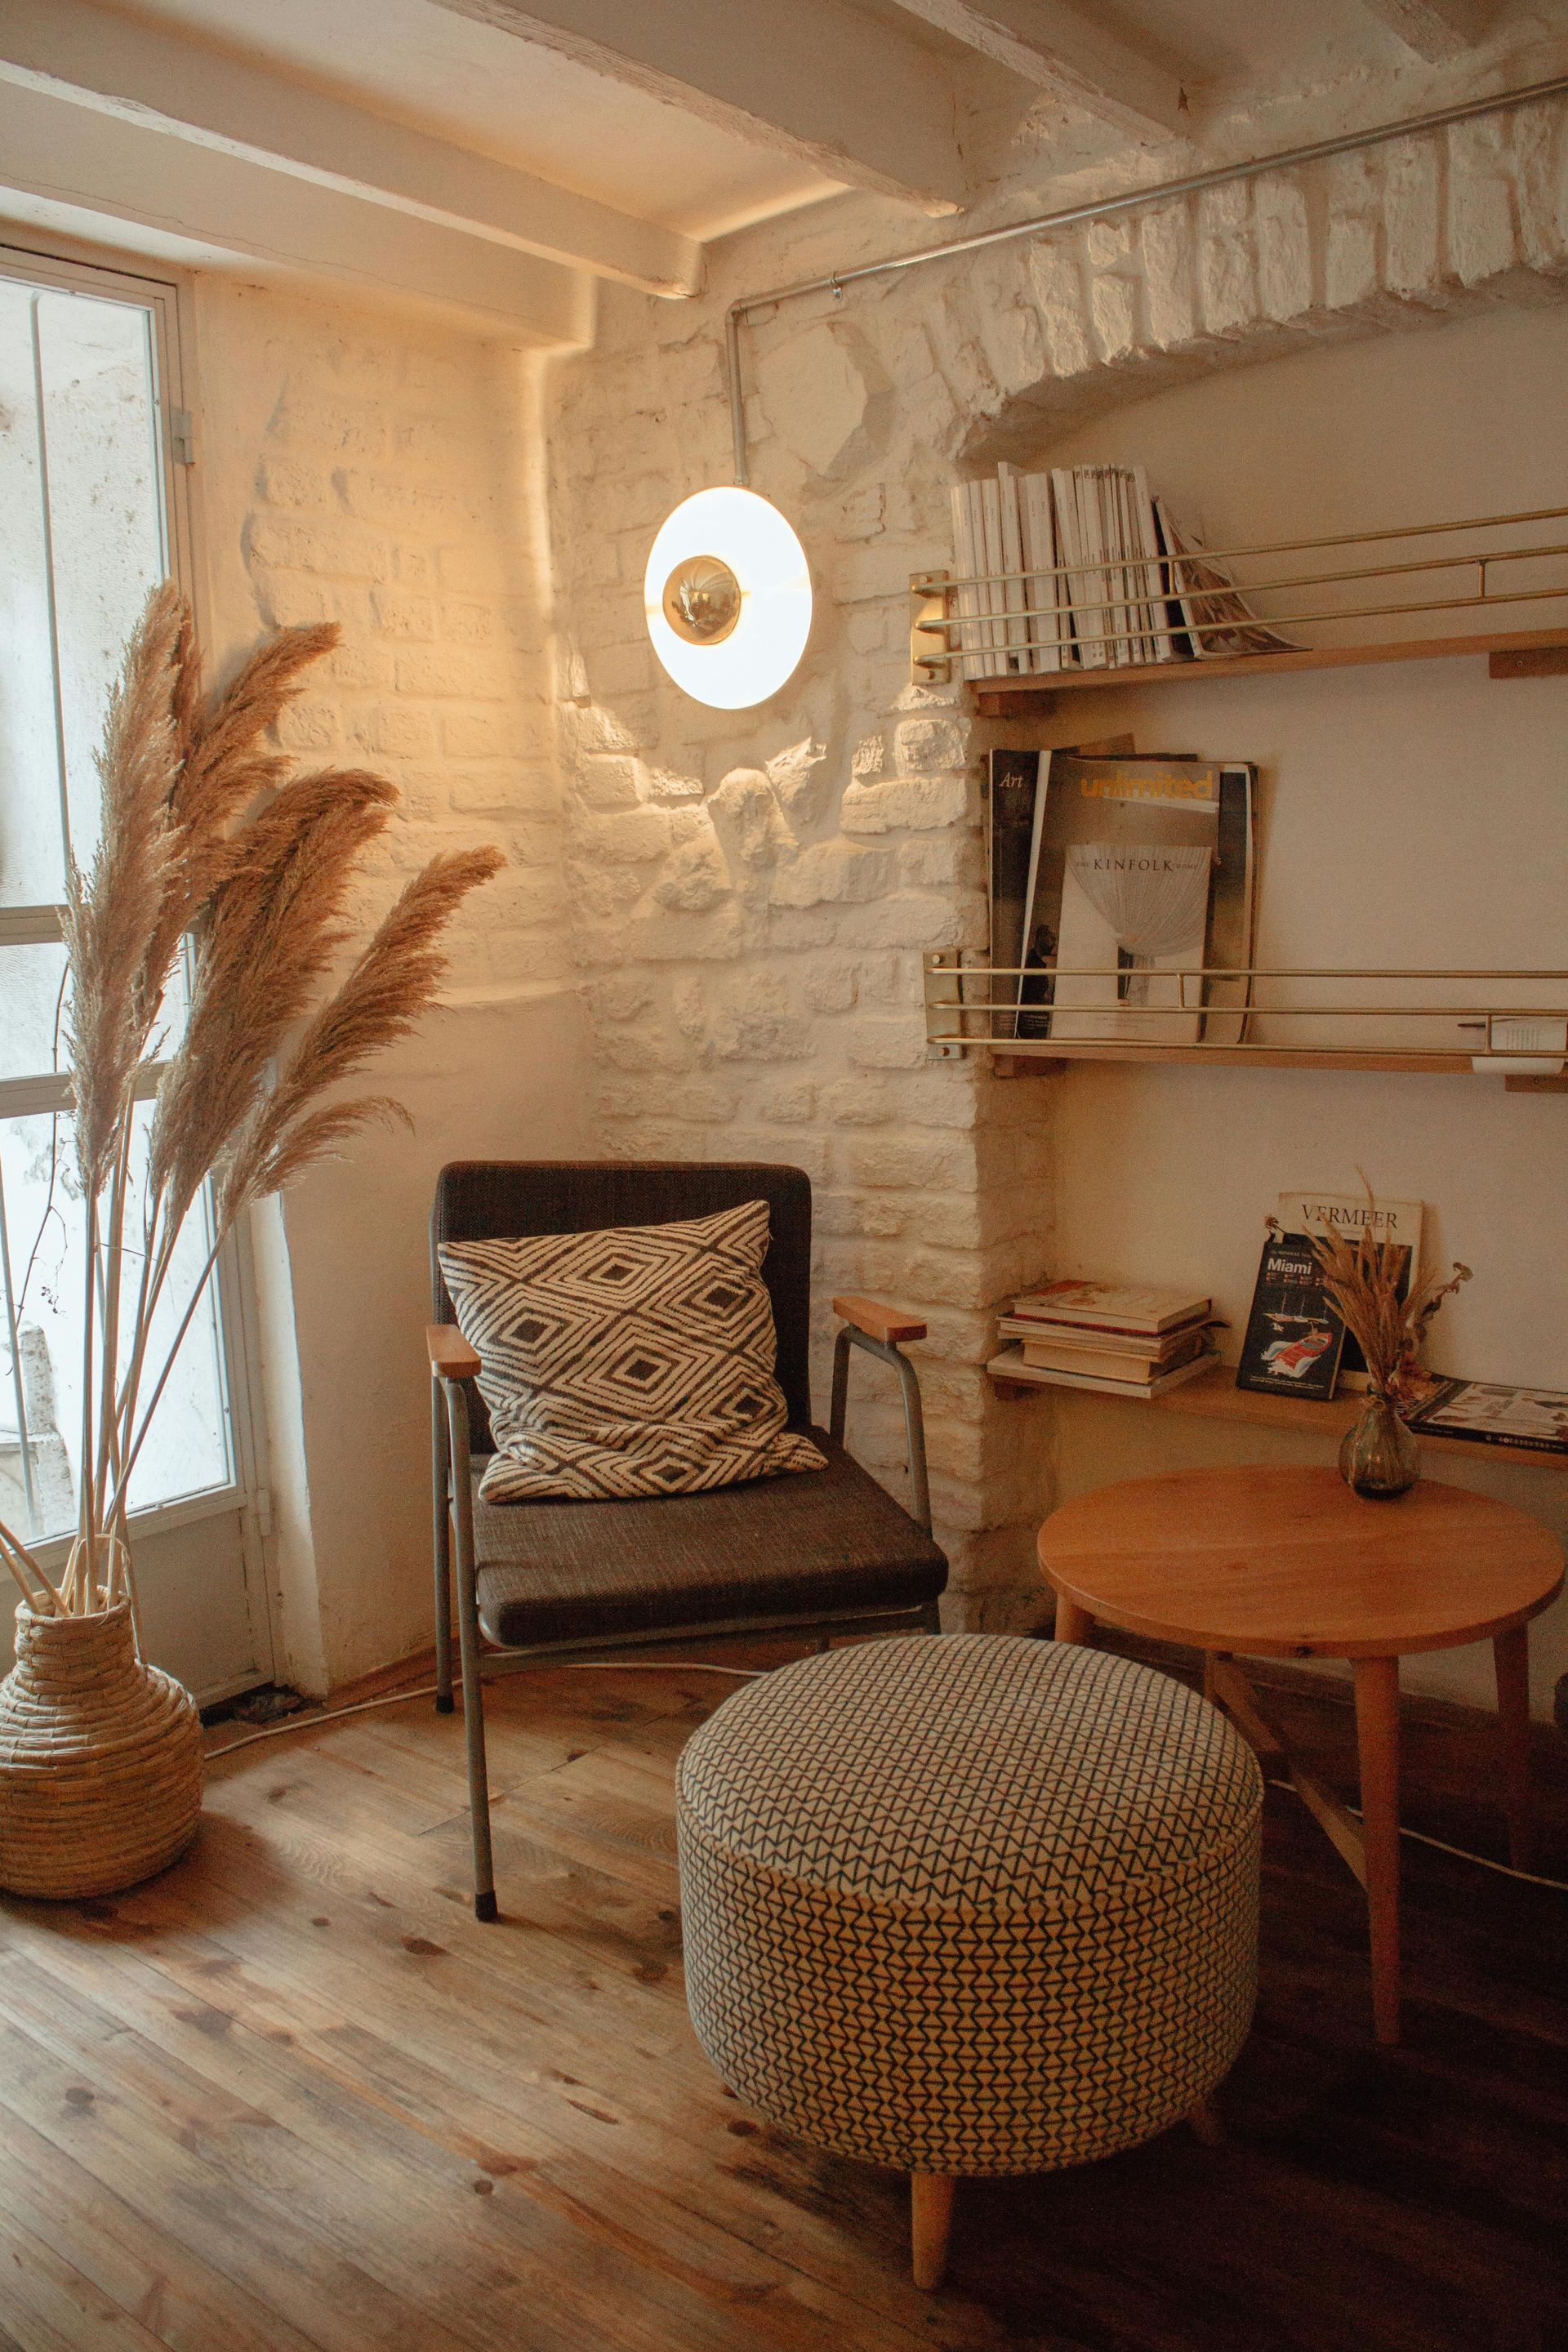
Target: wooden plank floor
{"points": [[293, 2096]]}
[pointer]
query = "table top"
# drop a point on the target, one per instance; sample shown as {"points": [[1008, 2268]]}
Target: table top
{"points": [[1285, 1562]]}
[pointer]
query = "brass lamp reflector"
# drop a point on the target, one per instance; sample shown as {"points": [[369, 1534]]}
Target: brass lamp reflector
{"points": [[702, 600]]}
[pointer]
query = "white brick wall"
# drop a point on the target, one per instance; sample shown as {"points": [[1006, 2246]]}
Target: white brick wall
{"points": [[376, 471], [750, 892]]}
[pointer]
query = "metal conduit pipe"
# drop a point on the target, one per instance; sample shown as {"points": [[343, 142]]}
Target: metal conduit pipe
{"points": [[1105, 208]]}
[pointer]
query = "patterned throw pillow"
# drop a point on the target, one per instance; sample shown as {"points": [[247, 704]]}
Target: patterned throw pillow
{"points": [[638, 1361]]}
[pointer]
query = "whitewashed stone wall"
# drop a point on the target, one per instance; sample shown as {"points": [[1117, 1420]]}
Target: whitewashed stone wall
{"points": [[378, 472], [385, 479], [750, 893]]}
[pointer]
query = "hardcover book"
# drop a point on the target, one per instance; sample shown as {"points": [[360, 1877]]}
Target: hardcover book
{"points": [[1294, 1339], [1111, 1307], [1010, 1365]]}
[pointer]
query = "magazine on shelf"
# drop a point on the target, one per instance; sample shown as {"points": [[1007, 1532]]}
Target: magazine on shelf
{"points": [[1163, 646], [1141, 870], [1050, 637], [1140, 1309], [1533, 1420], [1080, 586], [993, 594], [1013, 588], [1397, 1223], [1010, 813], [1010, 1365], [1214, 615], [1294, 1338], [1086, 1351], [966, 641]]}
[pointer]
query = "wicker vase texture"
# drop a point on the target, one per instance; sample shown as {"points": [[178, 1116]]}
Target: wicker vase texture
{"points": [[101, 1759]]}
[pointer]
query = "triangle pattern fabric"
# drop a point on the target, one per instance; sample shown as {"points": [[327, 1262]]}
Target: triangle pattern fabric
{"points": [[972, 1904], [633, 1362]]}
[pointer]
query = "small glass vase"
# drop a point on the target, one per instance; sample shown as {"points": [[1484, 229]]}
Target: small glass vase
{"points": [[1378, 1457]]}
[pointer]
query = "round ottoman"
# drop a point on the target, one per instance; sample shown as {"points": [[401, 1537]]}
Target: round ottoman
{"points": [[974, 1904]]}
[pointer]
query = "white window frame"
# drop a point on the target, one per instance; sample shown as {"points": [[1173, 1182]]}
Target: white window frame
{"points": [[166, 293]]}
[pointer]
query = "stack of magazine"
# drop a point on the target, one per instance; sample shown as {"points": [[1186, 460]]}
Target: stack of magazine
{"points": [[1118, 1339], [1078, 568], [1121, 896]]}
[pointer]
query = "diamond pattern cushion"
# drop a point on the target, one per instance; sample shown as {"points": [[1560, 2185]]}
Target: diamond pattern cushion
{"points": [[971, 1905], [800, 1548], [633, 1360]]}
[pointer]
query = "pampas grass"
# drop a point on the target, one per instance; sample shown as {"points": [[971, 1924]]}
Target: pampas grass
{"points": [[1362, 1279], [206, 838]]}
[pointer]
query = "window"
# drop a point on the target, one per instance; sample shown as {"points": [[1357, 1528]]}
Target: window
{"points": [[90, 519]]}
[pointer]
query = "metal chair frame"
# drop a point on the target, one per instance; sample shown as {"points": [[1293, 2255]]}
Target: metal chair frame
{"points": [[452, 1487]]}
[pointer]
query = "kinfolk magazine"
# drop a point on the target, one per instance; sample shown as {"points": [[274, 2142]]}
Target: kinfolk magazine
{"points": [[1140, 879]]}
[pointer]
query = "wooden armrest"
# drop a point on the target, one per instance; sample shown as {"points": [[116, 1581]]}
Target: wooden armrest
{"points": [[884, 1323], [451, 1357]]}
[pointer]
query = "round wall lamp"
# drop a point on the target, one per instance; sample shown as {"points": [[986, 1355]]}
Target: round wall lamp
{"points": [[727, 595]]}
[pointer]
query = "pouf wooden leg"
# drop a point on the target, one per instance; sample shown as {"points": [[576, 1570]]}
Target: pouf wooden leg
{"points": [[930, 2218], [1207, 2125]]}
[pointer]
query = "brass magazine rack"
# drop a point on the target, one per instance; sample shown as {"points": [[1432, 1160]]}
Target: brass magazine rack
{"points": [[973, 1007], [1200, 596]]}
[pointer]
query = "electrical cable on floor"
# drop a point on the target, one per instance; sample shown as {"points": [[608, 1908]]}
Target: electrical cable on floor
{"points": [[570, 1665], [1461, 1852]]}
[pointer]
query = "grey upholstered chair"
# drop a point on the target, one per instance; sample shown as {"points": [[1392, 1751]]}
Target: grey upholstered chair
{"points": [[825, 1551]]}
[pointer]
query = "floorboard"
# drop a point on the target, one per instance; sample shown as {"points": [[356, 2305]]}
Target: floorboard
{"points": [[291, 2097]]}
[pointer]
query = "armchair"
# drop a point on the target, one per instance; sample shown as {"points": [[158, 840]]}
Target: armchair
{"points": [[821, 1552]]}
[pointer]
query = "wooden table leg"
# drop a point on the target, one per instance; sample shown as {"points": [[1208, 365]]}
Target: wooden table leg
{"points": [[1377, 1736], [1511, 1653], [1073, 1623], [930, 2218]]}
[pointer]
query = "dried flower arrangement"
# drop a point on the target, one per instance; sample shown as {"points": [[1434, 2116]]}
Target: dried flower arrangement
{"points": [[207, 838], [1362, 1279]]}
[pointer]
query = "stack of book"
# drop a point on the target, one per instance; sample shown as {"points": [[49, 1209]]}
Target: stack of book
{"points": [[1072, 569], [1120, 1339]]}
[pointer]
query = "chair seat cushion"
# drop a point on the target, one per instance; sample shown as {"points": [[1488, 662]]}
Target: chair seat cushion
{"points": [[792, 1548], [633, 1362]]}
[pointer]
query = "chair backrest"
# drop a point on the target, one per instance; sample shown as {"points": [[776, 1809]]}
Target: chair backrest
{"points": [[485, 1200]]}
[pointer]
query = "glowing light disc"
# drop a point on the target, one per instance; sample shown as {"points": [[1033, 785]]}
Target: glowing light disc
{"points": [[750, 656]]}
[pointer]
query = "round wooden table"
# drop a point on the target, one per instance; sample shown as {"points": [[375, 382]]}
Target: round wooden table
{"points": [[1287, 1563]]}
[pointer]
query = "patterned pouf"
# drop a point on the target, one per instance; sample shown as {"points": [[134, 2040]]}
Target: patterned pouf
{"points": [[970, 1904]]}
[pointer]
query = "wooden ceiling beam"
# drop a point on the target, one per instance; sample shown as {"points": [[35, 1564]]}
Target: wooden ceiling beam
{"points": [[839, 90], [1059, 48], [158, 81], [1435, 30]]}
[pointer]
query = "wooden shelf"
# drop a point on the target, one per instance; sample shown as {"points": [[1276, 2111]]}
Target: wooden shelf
{"points": [[1214, 1396], [1514, 653], [1049, 1059]]}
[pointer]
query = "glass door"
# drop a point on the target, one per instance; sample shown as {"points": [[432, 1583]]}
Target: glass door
{"points": [[93, 515]]}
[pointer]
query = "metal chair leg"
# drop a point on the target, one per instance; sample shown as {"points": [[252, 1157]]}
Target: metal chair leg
{"points": [[485, 1905], [914, 1416], [440, 1464]]}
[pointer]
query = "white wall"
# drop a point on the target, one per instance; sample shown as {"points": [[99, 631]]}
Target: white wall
{"points": [[1413, 817], [384, 474]]}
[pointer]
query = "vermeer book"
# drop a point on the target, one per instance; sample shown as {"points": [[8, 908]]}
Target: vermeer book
{"points": [[1141, 871], [1294, 1339], [1396, 1223], [1535, 1420]]}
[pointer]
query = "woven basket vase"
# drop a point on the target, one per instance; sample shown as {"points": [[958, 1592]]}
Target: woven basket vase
{"points": [[101, 1759]]}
